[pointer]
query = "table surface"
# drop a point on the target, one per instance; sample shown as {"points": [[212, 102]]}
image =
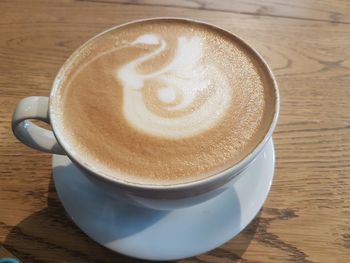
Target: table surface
{"points": [[307, 43]]}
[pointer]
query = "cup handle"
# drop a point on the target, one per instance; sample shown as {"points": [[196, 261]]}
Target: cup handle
{"points": [[27, 132]]}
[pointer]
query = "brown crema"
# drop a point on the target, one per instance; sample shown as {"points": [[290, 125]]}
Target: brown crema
{"points": [[91, 100]]}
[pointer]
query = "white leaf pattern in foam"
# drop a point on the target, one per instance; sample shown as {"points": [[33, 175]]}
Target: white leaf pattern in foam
{"points": [[149, 39], [183, 75]]}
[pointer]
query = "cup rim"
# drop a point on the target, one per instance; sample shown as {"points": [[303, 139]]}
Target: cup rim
{"points": [[232, 170]]}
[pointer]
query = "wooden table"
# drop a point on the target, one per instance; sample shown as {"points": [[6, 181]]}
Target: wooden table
{"points": [[307, 43]]}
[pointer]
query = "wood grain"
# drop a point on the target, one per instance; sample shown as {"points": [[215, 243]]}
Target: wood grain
{"points": [[307, 215], [327, 11]]}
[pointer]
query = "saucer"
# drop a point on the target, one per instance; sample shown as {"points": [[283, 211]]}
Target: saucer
{"points": [[164, 235]]}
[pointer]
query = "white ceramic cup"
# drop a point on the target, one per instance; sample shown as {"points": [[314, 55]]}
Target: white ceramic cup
{"points": [[152, 196]]}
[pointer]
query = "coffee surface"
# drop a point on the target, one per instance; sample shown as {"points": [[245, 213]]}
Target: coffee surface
{"points": [[164, 102]]}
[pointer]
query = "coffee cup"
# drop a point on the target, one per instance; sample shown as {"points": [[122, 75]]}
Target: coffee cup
{"points": [[140, 92]]}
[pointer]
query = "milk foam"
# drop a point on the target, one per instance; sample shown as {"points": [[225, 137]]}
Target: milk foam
{"points": [[164, 102], [180, 82]]}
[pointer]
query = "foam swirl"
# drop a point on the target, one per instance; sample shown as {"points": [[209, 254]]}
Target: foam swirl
{"points": [[181, 99]]}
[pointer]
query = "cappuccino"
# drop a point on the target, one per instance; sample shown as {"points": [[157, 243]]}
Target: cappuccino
{"points": [[165, 101]]}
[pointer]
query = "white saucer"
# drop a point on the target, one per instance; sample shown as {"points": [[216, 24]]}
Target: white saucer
{"points": [[160, 235]]}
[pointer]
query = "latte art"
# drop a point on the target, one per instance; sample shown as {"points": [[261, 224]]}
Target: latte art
{"points": [[164, 102], [185, 101]]}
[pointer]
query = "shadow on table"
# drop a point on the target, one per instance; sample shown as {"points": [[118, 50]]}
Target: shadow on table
{"points": [[50, 236]]}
